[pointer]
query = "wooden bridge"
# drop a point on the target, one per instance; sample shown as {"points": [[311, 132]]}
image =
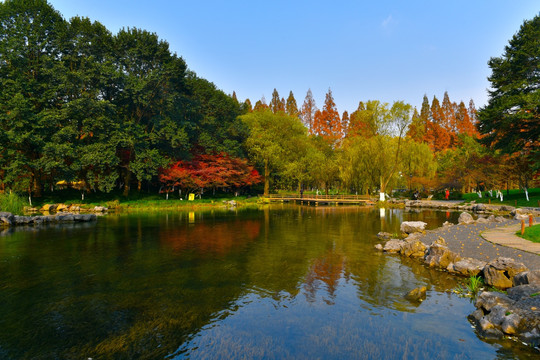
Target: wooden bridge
{"points": [[319, 199]]}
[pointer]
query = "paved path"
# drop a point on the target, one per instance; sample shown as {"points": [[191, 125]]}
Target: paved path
{"points": [[467, 241], [506, 236]]}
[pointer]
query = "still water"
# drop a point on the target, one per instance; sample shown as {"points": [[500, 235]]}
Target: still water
{"points": [[277, 283]]}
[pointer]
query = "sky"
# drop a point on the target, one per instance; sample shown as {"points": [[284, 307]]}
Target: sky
{"points": [[361, 50]]}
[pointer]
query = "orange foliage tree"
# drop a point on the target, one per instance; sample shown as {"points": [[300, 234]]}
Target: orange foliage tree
{"points": [[327, 122]]}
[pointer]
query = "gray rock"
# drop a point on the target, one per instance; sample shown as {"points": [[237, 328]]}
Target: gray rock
{"points": [[480, 207], [393, 245], [447, 223], [467, 266], [500, 272], [414, 248], [99, 209], [22, 220], [521, 292], [379, 247], [418, 294], [384, 235], [6, 218], [482, 221], [527, 277], [84, 217], [409, 227], [497, 314], [438, 255], [465, 218], [488, 299], [64, 217], [511, 324]]}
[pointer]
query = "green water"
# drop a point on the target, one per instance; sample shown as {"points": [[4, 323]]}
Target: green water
{"points": [[287, 282]]}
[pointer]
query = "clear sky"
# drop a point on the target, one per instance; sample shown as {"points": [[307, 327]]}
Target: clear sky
{"points": [[363, 50]]}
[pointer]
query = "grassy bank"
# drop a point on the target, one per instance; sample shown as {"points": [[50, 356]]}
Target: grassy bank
{"points": [[137, 201], [513, 198]]}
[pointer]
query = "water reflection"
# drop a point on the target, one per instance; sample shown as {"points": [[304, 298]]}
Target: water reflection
{"points": [[297, 282]]}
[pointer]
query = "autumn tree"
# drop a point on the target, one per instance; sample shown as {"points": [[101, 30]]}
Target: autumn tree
{"points": [[327, 122], [308, 111], [276, 104]]}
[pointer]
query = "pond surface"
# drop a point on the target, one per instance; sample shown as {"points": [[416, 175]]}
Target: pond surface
{"points": [[283, 282]]}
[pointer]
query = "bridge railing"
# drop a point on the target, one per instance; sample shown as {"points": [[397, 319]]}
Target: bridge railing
{"points": [[316, 197]]}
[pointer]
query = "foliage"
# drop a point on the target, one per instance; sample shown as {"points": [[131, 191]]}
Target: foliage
{"points": [[274, 140], [511, 120], [11, 202], [473, 285], [218, 171], [531, 233]]}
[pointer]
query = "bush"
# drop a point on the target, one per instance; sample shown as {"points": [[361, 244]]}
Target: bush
{"points": [[12, 203]]}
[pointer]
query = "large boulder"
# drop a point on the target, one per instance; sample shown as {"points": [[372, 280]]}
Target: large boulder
{"points": [[465, 218], [500, 272], [467, 267], [409, 227]]}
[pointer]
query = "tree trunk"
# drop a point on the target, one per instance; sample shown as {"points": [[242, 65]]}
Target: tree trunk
{"points": [[266, 177], [127, 180]]}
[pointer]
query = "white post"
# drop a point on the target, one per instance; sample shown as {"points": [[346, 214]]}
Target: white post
{"points": [[526, 194], [381, 196]]}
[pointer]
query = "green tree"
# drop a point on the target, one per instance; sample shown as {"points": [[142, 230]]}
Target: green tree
{"points": [[511, 119], [30, 88], [291, 108], [273, 140]]}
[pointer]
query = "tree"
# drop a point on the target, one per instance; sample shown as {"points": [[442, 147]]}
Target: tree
{"points": [[273, 140], [30, 88], [276, 104], [308, 111], [291, 108], [327, 122], [417, 128], [511, 120]]}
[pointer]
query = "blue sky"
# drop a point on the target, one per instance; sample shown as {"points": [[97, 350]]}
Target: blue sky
{"points": [[376, 50]]}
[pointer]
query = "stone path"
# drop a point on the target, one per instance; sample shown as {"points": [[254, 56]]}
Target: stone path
{"points": [[467, 241]]}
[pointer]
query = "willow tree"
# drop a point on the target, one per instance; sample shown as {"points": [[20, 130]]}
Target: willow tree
{"points": [[274, 140]]}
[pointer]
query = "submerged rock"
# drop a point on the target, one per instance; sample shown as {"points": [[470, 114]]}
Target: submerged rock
{"points": [[418, 294]]}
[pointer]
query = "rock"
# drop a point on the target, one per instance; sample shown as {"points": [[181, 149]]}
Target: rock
{"points": [[418, 294], [413, 249], [467, 266], [6, 218], [99, 209], [527, 277], [491, 218], [479, 207], [47, 208], [84, 217], [489, 299], [384, 235], [61, 207], [497, 314], [438, 255], [413, 237], [64, 217], [22, 220], [74, 208], [447, 223], [482, 221], [500, 272], [393, 245], [521, 292], [521, 217], [500, 219], [465, 218], [409, 227], [511, 324], [379, 247]]}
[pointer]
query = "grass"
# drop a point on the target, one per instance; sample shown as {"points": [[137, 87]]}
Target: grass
{"points": [[12, 203], [473, 285], [515, 198], [532, 233], [138, 200]]}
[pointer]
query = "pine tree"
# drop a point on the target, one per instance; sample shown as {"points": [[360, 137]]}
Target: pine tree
{"points": [[291, 108], [328, 123]]}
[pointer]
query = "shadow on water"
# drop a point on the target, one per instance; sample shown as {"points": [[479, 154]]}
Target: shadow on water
{"points": [[283, 282]]}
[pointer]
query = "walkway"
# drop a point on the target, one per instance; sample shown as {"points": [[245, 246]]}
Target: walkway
{"points": [[506, 236]]}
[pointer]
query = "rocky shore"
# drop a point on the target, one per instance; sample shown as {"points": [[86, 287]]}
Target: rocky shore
{"points": [[8, 219], [460, 249]]}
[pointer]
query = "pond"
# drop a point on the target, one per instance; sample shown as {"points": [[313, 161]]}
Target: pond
{"points": [[275, 283]]}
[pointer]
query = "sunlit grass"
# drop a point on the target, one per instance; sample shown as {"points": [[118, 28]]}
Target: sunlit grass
{"points": [[515, 197], [531, 233], [12, 203]]}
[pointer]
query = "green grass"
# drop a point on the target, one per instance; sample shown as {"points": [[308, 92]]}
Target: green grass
{"points": [[515, 198], [531, 233], [138, 200], [12, 203]]}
